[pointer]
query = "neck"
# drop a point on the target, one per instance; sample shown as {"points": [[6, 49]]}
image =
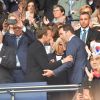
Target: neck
{"points": [[41, 40]]}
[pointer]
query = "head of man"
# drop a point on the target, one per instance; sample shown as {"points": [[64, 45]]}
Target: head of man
{"points": [[58, 11], [65, 32], [85, 19], [18, 29], [44, 34]]}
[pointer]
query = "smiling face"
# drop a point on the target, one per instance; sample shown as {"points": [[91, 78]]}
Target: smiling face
{"points": [[30, 7]]}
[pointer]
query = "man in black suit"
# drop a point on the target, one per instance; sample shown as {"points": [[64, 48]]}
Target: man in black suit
{"points": [[86, 33], [7, 62], [37, 59]]}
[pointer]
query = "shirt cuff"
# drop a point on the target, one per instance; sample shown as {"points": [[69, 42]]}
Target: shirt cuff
{"points": [[0, 60], [1, 44]]}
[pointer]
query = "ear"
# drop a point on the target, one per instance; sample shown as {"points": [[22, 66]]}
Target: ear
{"points": [[62, 13]]}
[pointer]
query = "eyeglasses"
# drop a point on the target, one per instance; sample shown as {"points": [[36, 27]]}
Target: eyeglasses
{"points": [[55, 10]]}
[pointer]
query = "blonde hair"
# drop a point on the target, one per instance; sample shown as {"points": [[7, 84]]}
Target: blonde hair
{"points": [[84, 9], [58, 42]]}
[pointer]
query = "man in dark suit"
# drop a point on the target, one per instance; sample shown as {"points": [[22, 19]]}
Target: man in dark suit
{"points": [[20, 41], [76, 48], [7, 62], [37, 59], [89, 33]]}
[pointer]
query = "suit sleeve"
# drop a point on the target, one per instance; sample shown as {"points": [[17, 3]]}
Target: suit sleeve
{"points": [[71, 50], [8, 56], [41, 58]]}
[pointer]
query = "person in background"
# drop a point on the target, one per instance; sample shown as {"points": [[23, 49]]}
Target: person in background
{"points": [[85, 33], [94, 76], [3, 16], [72, 8], [59, 15]]}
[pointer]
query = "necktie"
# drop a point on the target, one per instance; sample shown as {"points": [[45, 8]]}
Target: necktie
{"points": [[17, 59], [84, 35], [17, 40]]}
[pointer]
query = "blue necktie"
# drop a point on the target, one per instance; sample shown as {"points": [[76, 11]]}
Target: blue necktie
{"points": [[84, 35]]}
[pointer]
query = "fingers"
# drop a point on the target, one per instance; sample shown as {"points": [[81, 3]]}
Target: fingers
{"points": [[48, 73]]}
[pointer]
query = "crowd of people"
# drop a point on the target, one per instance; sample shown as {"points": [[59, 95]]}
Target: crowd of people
{"points": [[56, 41]]}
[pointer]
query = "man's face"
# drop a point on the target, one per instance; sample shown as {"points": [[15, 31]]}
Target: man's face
{"points": [[57, 12], [49, 36], [63, 35], [18, 30], [84, 20]]}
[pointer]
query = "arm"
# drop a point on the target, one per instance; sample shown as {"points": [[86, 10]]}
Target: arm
{"points": [[8, 56]]}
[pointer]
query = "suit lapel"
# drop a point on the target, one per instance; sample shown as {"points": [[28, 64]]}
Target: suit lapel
{"points": [[20, 41], [89, 35]]}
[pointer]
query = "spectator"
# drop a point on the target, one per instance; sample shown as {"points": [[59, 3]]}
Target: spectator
{"points": [[89, 33], [94, 76], [59, 15]]}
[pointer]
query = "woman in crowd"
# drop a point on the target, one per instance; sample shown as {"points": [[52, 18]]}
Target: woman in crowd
{"points": [[59, 15], [94, 76], [31, 15]]}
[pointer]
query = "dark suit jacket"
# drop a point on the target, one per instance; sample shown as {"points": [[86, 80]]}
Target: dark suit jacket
{"points": [[21, 49], [91, 35], [76, 48], [37, 62], [62, 77], [7, 64]]}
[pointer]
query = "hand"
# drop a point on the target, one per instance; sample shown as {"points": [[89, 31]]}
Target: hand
{"points": [[89, 74], [88, 51], [68, 58], [48, 73], [1, 37], [45, 20], [78, 96], [5, 25]]}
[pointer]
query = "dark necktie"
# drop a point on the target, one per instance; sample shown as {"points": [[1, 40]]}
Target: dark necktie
{"points": [[84, 35], [17, 40]]}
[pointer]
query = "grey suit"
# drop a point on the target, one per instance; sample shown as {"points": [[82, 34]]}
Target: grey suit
{"points": [[76, 48]]}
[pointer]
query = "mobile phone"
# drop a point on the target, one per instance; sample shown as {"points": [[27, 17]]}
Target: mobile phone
{"points": [[12, 21]]}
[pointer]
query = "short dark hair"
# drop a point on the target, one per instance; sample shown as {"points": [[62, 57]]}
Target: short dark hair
{"points": [[67, 27], [42, 31], [85, 13], [60, 7]]}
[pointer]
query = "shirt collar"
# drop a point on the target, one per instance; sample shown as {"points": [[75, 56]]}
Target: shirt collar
{"points": [[71, 37], [85, 29]]}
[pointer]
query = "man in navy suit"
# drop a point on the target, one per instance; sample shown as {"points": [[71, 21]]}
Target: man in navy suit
{"points": [[76, 48], [90, 33], [20, 41]]}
